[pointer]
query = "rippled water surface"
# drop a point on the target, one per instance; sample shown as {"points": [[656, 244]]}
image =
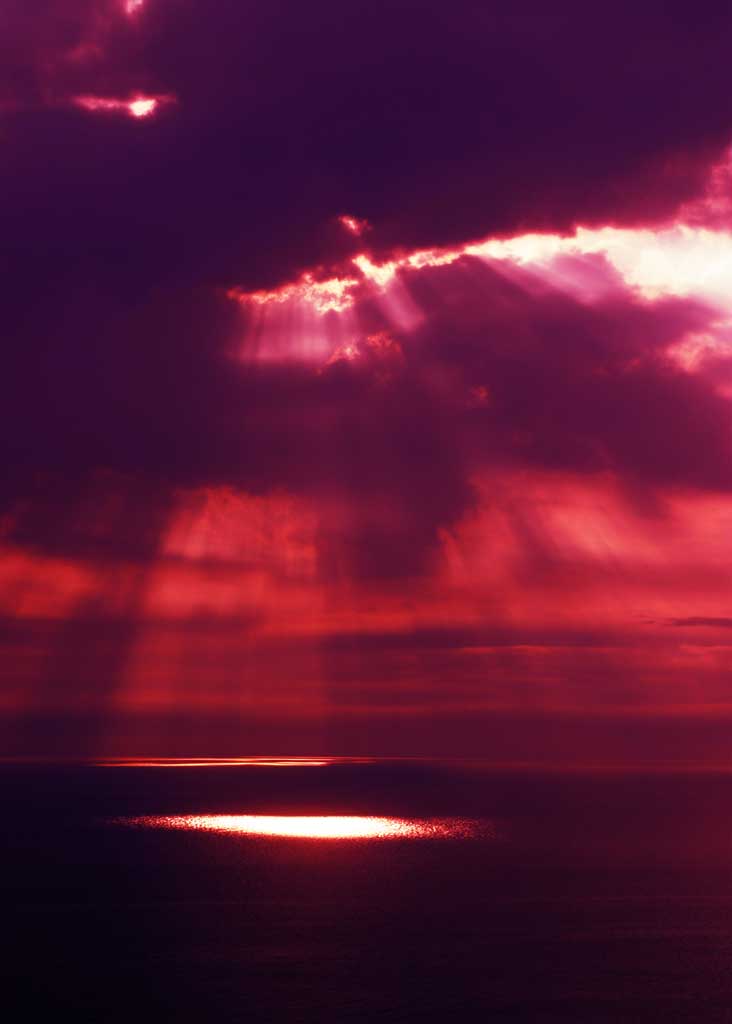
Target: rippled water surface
{"points": [[283, 889], [309, 826]]}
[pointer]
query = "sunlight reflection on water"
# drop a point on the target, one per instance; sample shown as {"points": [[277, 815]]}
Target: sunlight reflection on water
{"points": [[329, 826], [218, 762]]}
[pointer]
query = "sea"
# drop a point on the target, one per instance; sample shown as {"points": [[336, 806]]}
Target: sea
{"points": [[355, 890]]}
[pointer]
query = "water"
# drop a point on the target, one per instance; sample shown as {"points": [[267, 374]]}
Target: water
{"points": [[365, 891]]}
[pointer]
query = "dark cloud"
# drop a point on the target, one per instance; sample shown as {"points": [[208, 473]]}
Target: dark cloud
{"points": [[104, 419], [571, 385], [435, 123]]}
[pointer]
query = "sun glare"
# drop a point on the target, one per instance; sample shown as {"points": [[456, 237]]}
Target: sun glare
{"points": [[141, 108]]}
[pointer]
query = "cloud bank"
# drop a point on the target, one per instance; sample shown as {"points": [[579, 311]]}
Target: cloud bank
{"points": [[362, 364]]}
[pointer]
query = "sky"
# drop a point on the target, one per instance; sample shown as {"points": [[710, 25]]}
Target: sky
{"points": [[368, 379]]}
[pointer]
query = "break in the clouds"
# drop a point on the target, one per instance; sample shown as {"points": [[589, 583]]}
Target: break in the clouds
{"points": [[367, 372]]}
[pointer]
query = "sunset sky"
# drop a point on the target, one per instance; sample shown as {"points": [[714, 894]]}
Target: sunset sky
{"points": [[368, 379]]}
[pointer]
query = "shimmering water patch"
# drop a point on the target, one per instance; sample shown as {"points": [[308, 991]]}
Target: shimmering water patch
{"points": [[325, 826]]}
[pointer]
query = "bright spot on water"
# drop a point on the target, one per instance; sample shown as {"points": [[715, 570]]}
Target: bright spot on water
{"points": [[327, 826]]}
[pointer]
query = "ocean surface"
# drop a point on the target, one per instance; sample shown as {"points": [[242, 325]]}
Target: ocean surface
{"points": [[365, 891]]}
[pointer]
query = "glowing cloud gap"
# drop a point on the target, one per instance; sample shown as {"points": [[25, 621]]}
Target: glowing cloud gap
{"points": [[141, 108], [138, 106], [313, 319], [332, 295], [309, 826], [353, 224], [679, 260]]}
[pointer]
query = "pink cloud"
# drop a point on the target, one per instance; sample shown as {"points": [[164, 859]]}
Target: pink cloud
{"points": [[138, 106]]}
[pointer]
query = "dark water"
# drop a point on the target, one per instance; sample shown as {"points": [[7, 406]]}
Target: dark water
{"points": [[583, 897]]}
